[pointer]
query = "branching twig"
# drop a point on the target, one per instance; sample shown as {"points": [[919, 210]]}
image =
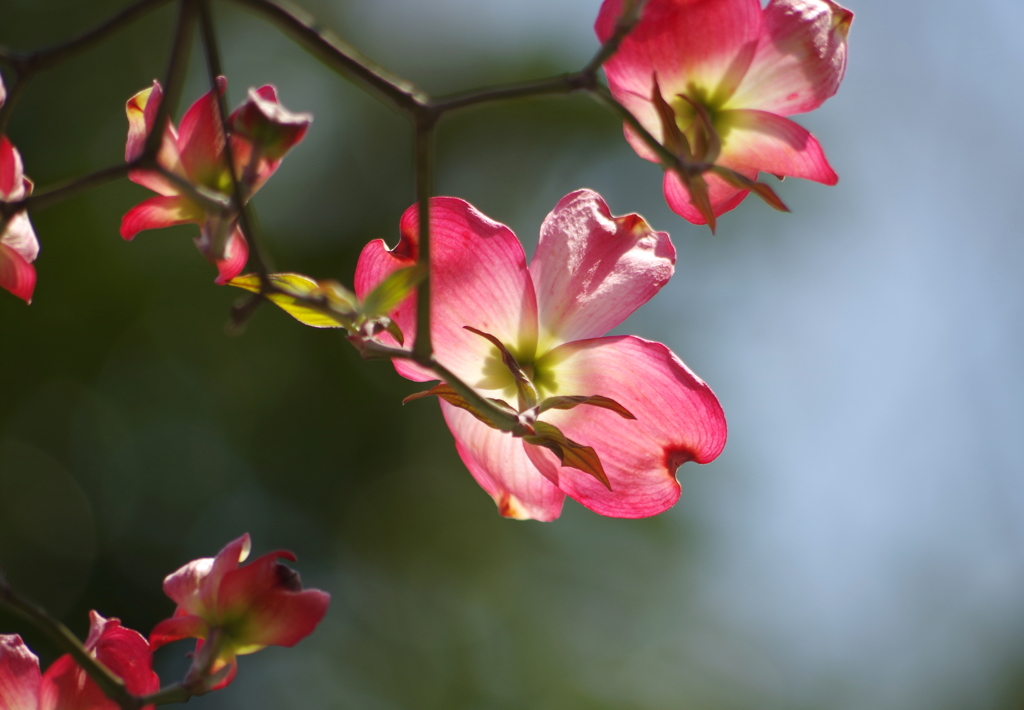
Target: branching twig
{"points": [[26, 64], [585, 79], [29, 62], [338, 55]]}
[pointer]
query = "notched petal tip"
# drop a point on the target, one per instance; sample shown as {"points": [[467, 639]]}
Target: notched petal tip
{"points": [[841, 18]]}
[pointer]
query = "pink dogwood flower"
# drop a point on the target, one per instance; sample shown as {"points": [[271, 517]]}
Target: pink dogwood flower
{"points": [[236, 610], [621, 413], [715, 79], [65, 686], [18, 244], [261, 132]]}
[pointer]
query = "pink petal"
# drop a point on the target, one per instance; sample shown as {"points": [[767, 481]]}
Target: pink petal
{"points": [[142, 109], [724, 196], [19, 675], [65, 686], [12, 185], [500, 465], [678, 419], [272, 607], [252, 175], [177, 628], [479, 279], [800, 60], [16, 274], [591, 270], [185, 587], [154, 181], [194, 586], [266, 122], [201, 140], [757, 140], [126, 652], [157, 212], [20, 237], [647, 115], [704, 42], [236, 254]]}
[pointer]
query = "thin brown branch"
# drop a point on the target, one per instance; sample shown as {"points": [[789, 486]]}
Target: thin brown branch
{"points": [[585, 79], [338, 55], [553, 86], [246, 216], [175, 77], [30, 62], [424, 191], [41, 200]]}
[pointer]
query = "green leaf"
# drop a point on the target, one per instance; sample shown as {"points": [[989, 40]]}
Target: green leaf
{"points": [[595, 400], [395, 331], [455, 399], [392, 291], [326, 305], [571, 454]]}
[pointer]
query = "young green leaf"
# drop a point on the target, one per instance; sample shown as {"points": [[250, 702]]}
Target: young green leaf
{"points": [[303, 298], [392, 291]]}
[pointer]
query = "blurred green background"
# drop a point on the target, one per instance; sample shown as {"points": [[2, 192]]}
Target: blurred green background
{"points": [[859, 544]]}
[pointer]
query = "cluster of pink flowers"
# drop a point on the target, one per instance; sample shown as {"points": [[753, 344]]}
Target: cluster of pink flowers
{"points": [[567, 410], [604, 420], [199, 153], [231, 610]]}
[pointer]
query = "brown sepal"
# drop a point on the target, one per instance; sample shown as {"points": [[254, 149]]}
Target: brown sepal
{"points": [[569, 453], [596, 400], [760, 189], [449, 395]]}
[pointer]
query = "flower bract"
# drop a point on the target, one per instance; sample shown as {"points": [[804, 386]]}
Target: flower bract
{"points": [[716, 79], [196, 153], [235, 610], [18, 244], [64, 685], [605, 420]]}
